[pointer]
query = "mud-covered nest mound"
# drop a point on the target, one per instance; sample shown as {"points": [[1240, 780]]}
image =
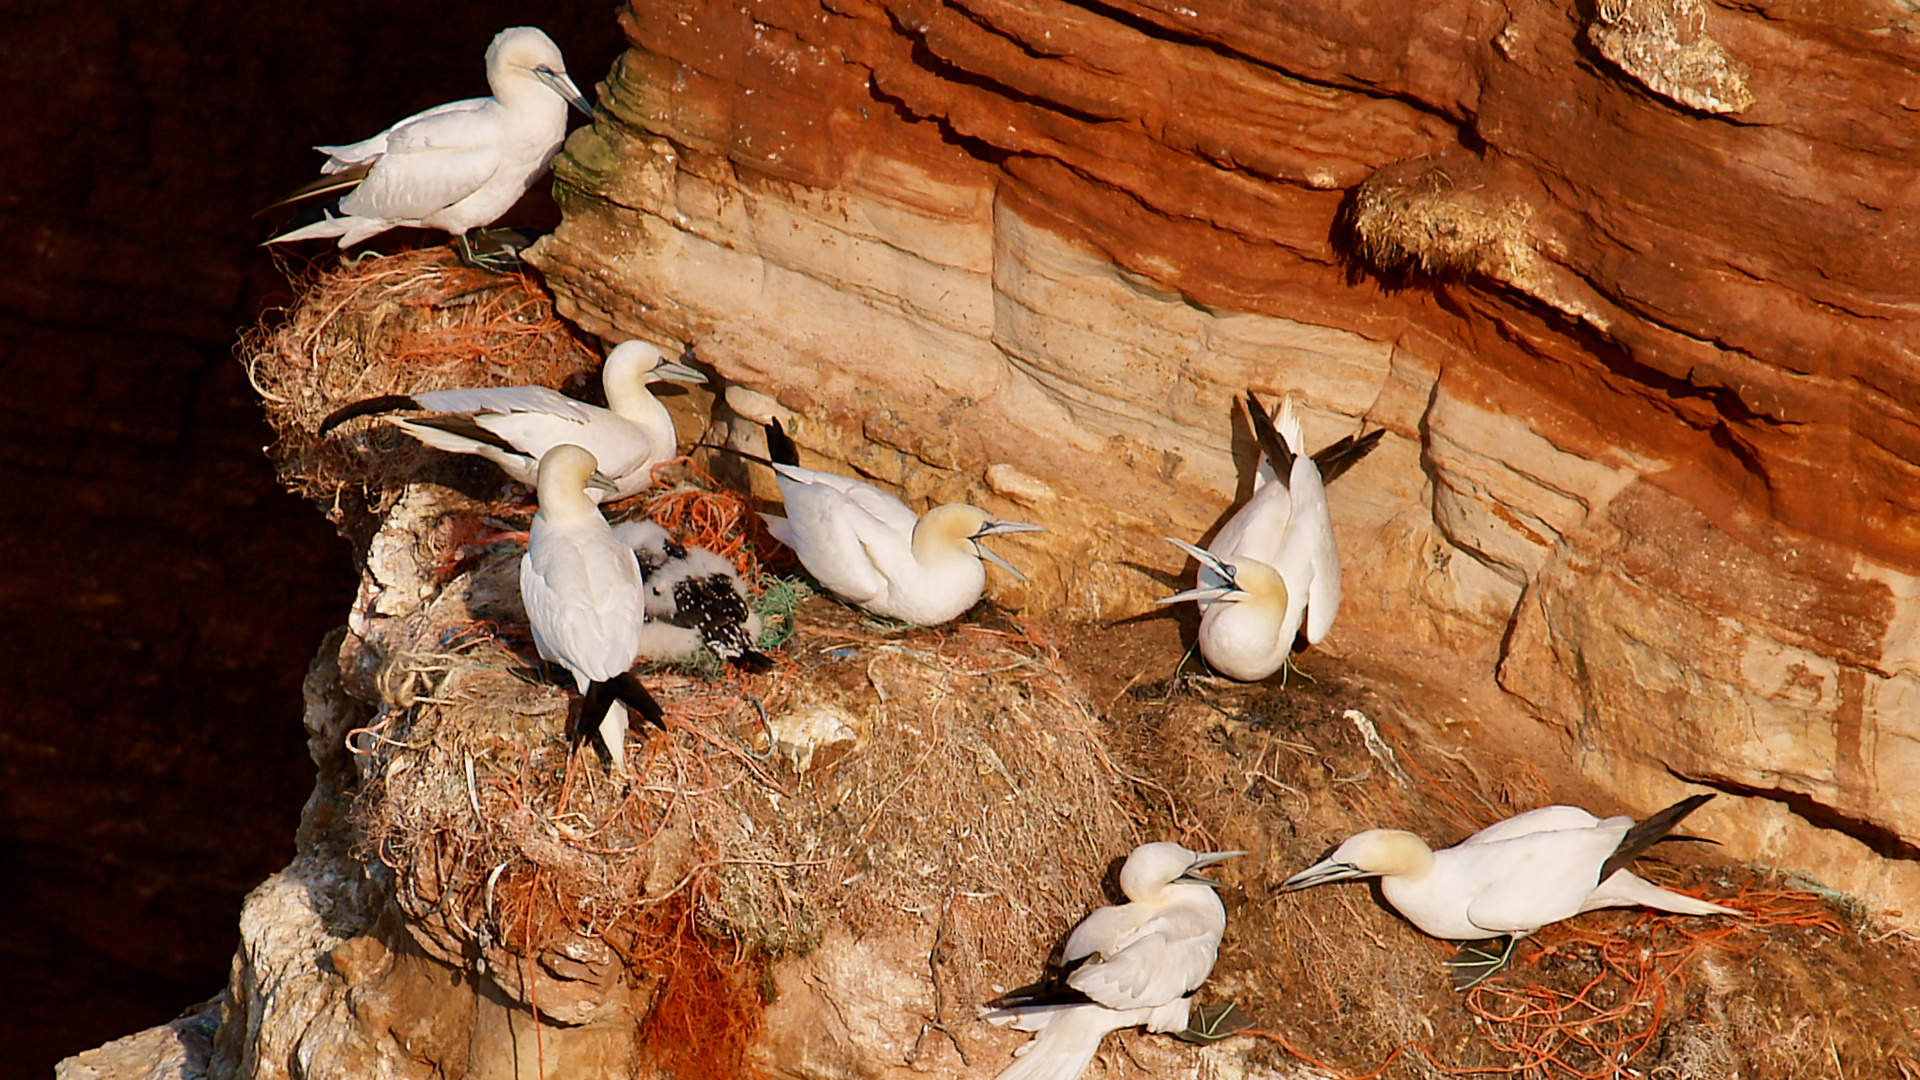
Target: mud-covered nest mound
{"points": [[399, 324]]}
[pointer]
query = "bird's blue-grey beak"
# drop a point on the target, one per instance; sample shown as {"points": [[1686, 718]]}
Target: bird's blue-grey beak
{"points": [[1217, 592], [674, 371], [996, 527], [559, 83], [1226, 591], [599, 480], [1207, 858], [1321, 873]]}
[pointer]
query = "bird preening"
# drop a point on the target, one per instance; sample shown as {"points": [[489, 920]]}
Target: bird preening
{"points": [[1273, 573], [1127, 965]]}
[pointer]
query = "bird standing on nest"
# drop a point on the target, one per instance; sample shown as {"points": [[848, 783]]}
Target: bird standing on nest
{"points": [[514, 426], [1510, 878], [582, 590], [457, 166], [870, 549], [1134, 963], [1273, 566], [694, 597]]}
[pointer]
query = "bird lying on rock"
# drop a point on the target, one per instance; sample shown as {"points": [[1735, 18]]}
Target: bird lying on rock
{"points": [[870, 549], [1510, 878], [514, 426], [694, 597], [583, 593], [1273, 566], [1128, 964], [457, 166]]}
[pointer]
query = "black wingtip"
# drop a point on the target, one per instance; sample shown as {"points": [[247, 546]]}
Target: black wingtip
{"points": [[1336, 458], [754, 660], [730, 450], [780, 445], [343, 180], [627, 690], [1649, 832], [383, 404], [1048, 991], [1269, 438]]}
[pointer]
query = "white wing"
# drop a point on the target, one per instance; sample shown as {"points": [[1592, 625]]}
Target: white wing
{"points": [[1161, 960], [582, 591], [1530, 881], [831, 530], [508, 399], [878, 503], [368, 149], [430, 163], [1545, 819]]}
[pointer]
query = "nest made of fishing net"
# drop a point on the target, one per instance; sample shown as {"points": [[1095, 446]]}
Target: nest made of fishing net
{"points": [[867, 778], [398, 324]]}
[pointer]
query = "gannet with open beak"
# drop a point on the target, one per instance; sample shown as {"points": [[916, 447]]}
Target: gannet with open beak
{"points": [[694, 597], [514, 426], [1129, 964], [1510, 878], [870, 549], [457, 166], [1273, 566], [583, 593]]}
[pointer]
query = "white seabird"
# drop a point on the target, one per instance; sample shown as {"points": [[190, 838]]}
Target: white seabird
{"points": [[1134, 963], [514, 426], [457, 166], [870, 549], [1273, 566], [694, 597], [1510, 878], [582, 590]]}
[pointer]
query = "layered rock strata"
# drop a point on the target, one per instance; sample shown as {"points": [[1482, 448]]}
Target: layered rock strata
{"points": [[1630, 285]]}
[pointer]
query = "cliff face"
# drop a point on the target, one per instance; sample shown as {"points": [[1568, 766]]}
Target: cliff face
{"points": [[1628, 283]]}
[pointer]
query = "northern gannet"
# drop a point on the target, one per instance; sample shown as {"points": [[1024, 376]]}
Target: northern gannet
{"points": [[1134, 963], [1273, 565], [582, 590], [867, 547], [1510, 878], [457, 166], [514, 426], [694, 597]]}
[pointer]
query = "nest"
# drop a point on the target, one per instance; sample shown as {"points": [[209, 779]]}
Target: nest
{"points": [[1425, 218], [402, 324]]}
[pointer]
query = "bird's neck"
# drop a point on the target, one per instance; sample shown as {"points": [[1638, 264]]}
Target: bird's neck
{"points": [[634, 402]]}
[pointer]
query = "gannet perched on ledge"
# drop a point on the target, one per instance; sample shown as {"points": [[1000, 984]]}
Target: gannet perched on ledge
{"points": [[694, 597], [457, 166], [1273, 565], [1510, 878], [1135, 963], [870, 549], [582, 590], [514, 426]]}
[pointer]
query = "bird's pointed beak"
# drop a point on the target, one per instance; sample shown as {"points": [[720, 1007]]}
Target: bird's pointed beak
{"points": [[1217, 592], [996, 527], [560, 84], [600, 480], [674, 371], [1207, 858], [1321, 873], [989, 555]]}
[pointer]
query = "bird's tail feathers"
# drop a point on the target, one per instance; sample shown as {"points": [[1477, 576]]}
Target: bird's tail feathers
{"points": [[780, 445], [1289, 425], [1644, 835], [340, 180], [1276, 450], [627, 690], [1626, 889], [372, 406], [1065, 1047], [1337, 457]]}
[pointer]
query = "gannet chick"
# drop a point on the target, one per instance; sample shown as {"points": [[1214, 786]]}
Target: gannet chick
{"points": [[867, 547], [582, 590], [1134, 963], [457, 166], [1510, 878], [514, 426], [1273, 566], [695, 592]]}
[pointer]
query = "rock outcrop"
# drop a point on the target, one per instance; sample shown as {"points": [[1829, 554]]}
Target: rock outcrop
{"points": [[1630, 284]]}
